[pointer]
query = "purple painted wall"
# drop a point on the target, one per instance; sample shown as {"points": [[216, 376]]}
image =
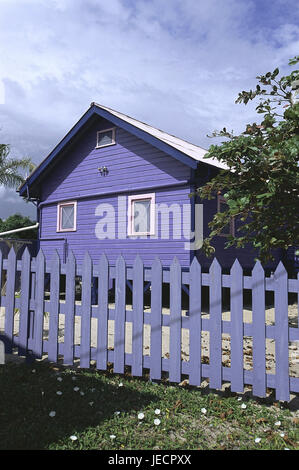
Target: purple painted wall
{"points": [[135, 167]]}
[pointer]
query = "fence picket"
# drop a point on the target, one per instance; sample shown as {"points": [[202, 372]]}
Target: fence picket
{"points": [[85, 352], [195, 323], [69, 314], [216, 326], [39, 305], [32, 305], [138, 310], [54, 308], [236, 295], [10, 300], [119, 322], [24, 305], [259, 331], [156, 321], [102, 341], [175, 367], [282, 381]]}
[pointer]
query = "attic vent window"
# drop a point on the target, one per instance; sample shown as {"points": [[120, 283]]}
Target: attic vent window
{"points": [[105, 137]]}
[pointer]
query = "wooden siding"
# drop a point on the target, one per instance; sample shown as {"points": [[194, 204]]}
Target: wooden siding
{"points": [[132, 165], [85, 237]]}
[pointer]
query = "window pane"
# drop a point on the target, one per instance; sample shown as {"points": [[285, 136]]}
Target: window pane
{"points": [[142, 216], [105, 138], [67, 217]]}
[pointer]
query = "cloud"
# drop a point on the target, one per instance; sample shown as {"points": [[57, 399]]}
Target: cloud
{"points": [[177, 65]]}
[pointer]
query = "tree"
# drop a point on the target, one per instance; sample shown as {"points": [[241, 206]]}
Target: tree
{"points": [[261, 187], [18, 221], [10, 174]]}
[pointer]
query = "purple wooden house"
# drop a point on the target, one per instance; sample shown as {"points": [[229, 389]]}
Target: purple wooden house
{"points": [[116, 185]]}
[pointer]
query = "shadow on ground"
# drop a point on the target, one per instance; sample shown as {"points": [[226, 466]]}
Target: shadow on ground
{"points": [[28, 394]]}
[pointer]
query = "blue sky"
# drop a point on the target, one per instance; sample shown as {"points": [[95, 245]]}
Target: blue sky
{"points": [[176, 64]]}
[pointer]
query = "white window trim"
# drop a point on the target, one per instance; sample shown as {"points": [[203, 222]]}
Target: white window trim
{"points": [[61, 204], [113, 137], [139, 197]]}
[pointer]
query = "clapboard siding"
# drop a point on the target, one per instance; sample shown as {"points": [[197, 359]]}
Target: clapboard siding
{"points": [[132, 164], [148, 248]]}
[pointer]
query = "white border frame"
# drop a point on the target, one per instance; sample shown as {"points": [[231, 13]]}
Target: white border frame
{"points": [[102, 132], [139, 197], [61, 204]]}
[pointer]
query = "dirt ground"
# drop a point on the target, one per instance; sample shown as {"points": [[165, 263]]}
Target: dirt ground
{"points": [[247, 318]]}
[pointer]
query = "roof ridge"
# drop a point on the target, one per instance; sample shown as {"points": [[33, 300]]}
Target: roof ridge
{"points": [[146, 124]]}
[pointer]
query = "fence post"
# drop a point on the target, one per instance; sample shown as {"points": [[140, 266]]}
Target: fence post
{"points": [[281, 334], [39, 304], [86, 312], [236, 296], [120, 316], [195, 323], [258, 331], [156, 321], [175, 362], [216, 325], [138, 310], [24, 307], [103, 287], [10, 299], [69, 314], [54, 308]]}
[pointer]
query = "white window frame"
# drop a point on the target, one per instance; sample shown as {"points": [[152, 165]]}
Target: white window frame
{"points": [[102, 132], [59, 219], [131, 200]]}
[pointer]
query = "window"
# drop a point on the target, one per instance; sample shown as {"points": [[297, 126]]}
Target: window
{"points": [[106, 137], [141, 214], [222, 206], [67, 216]]}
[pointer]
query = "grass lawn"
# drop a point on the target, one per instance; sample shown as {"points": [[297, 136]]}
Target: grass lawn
{"points": [[43, 405]]}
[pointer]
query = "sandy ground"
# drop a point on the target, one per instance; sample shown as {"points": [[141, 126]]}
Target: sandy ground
{"points": [[247, 318]]}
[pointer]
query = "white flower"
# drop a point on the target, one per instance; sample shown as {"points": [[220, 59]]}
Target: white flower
{"points": [[92, 389], [116, 413], [243, 406], [278, 423], [112, 437], [157, 411], [52, 414], [59, 379], [281, 434], [33, 371], [76, 389], [90, 403], [140, 416], [239, 398], [203, 410], [121, 384], [73, 438], [286, 448], [257, 440], [82, 393], [59, 392], [157, 422]]}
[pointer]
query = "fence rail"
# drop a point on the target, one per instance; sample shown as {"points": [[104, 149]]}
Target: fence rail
{"points": [[26, 312]]}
